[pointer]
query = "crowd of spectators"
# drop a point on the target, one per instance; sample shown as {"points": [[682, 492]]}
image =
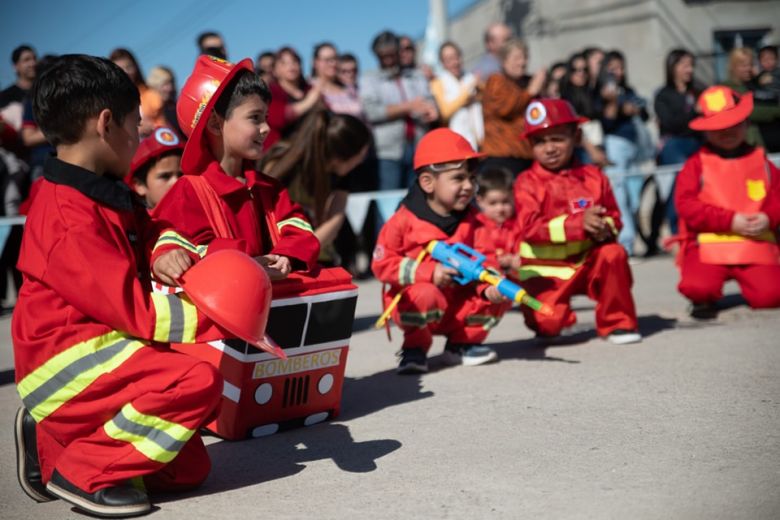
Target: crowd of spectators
{"points": [[385, 111]]}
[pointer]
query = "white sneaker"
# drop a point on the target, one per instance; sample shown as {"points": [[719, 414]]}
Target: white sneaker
{"points": [[474, 355], [624, 337]]}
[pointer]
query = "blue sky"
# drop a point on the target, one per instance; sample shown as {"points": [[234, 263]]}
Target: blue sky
{"points": [[164, 32]]}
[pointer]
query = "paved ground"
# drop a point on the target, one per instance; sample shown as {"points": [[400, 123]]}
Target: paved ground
{"points": [[684, 425]]}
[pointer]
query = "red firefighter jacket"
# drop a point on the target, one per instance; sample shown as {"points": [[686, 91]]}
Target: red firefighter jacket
{"points": [[86, 298], [279, 226], [550, 208], [401, 240], [710, 189], [494, 240]]}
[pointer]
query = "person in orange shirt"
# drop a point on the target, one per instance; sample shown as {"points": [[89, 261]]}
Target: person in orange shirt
{"points": [[728, 199]]}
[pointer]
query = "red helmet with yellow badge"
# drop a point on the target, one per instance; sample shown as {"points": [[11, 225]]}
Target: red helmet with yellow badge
{"points": [[720, 108], [198, 96], [547, 113]]}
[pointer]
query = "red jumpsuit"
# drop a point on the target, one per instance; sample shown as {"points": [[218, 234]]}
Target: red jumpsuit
{"points": [[458, 312], [709, 190], [260, 216], [112, 402], [494, 240], [558, 258]]}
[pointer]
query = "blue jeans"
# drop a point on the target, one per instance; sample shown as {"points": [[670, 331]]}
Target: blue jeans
{"points": [[676, 150], [397, 174], [626, 180]]}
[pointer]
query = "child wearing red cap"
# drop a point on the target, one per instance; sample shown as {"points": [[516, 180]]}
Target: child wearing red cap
{"points": [[728, 199], [221, 200], [156, 165], [569, 221], [437, 207]]}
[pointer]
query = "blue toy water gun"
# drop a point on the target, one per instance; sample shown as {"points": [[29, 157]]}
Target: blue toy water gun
{"points": [[469, 264]]}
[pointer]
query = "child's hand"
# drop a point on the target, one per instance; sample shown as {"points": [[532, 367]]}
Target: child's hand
{"points": [[593, 221], [740, 224], [442, 275], [493, 295], [506, 260], [277, 266], [170, 266], [757, 224]]}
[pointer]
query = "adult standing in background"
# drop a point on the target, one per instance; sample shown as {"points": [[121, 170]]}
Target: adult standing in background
{"points": [[675, 107], [504, 100], [457, 96], [291, 96], [496, 36], [161, 79], [12, 98], [325, 73], [151, 102], [575, 88], [348, 71], [399, 106], [211, 43]]}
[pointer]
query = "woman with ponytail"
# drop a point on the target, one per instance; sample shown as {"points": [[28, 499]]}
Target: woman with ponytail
{"points": [[312, 165]]}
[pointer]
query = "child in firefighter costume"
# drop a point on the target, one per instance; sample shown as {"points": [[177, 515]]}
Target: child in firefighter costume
{"points": [[156, 165], [221, 201], [105, 400], [422, 297], [728, 199], [497, 235], [568, 221]]}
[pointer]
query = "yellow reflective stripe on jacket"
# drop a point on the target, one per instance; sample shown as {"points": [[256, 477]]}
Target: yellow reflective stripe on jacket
{"points": [[557, 228], [554, 251], [173, 238], [551, 271], [420, 319], [176, 318], [407, 270], [158, 439], [295, 222], [67, 374], [611, 223], [487, 321], [715, 238]]}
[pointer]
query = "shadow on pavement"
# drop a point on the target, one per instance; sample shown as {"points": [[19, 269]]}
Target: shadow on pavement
{"points": [[7, 377], [245, 463], [366, 395], [652, 324], [364, 323], [530, 350]]}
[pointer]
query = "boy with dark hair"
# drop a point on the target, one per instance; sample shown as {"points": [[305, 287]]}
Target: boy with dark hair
{"points": [[728, 199], [496, 237], [221, 200], [156, 166], [568, 221], [105, 400], [437, 207]]}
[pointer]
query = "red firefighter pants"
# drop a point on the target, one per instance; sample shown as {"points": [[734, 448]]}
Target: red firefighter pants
{"points": [[140, 420], [604, 277], [703, 283], [455, 312]]}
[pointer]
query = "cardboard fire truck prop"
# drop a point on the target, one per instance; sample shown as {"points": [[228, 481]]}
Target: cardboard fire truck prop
{"points": [[311, 320]]}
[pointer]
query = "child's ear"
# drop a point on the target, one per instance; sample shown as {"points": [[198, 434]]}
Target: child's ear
{"points": [[578, 137], [426, 180], [103, 123], [214, 124], [140, 188]]}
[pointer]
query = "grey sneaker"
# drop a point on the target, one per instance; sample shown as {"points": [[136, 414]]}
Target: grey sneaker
{"points": [[413, 361], [624, 337], [474, 355]]}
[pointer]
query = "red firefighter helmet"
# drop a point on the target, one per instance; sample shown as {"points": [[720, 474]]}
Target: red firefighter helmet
{"points": [[232, 289], [721, 108], [198, 96], [547, 113], [161, 141], [442, 146]]}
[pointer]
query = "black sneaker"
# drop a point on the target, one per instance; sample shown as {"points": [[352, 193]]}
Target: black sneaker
{"points": [[28, 469], [413, 361], [703, 311], [110, 502]]}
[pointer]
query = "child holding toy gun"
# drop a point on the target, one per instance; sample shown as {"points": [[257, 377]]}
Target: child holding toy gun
{"points": [[569, 221], [437, 207]]}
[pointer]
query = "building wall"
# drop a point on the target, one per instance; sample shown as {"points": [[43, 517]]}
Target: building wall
{"points": [[644, 30]]}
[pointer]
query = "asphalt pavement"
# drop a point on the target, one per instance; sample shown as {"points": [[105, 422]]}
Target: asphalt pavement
{"points": [[684, 425]]}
